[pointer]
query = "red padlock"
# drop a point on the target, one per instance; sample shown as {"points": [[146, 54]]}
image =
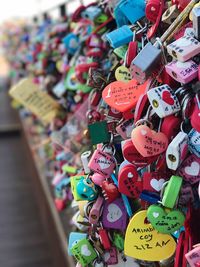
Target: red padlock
{"points": [[110, 191]]}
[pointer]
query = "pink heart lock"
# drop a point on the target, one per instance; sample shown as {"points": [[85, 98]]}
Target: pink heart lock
{"points": [[190, 169], [148, 142], [115, 215]]}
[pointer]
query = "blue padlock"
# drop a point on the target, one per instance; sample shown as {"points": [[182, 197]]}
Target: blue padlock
{"points": [[194, 142], [131, 10], [74, 238], [61, 186], [91, 13], [87, 189], [71, 42], [150, 197], [120, 36]]}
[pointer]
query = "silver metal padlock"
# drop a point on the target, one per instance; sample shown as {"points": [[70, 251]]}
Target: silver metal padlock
{"points": [[196, 21], [177, 151]]}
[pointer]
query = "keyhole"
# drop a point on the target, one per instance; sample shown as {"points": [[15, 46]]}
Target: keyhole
{"points": [[172, 158], [174, 54], [174, 74], [155, 103]]}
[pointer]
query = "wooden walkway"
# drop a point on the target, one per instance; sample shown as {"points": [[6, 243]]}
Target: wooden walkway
{"points": [[22, 239]]}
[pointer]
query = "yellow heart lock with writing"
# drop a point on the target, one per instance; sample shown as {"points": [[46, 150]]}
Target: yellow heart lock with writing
{"points": [[143, 242]]}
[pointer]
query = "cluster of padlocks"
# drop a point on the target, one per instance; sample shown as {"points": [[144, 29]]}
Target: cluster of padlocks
{"points": [[117, 86]]}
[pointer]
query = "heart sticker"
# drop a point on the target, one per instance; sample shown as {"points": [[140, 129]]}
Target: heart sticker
{"points": [[115, 215], [103, 163], [157, 184], [190, 169], [131, 154], [165, 223], [128, 182], [85, 251], [148, 142], [123, 96], [167, 98], [143, 242], [153, 181]]}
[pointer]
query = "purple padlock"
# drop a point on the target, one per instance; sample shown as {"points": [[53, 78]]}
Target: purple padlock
{"points": [[190, 169], [115, 215]]}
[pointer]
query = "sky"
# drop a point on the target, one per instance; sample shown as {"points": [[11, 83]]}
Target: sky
{"points": [[29, 8]]}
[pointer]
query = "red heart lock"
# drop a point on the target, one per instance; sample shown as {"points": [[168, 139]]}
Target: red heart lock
{"points": [[171, 126], [153, 181], [128, 182], [110, 191], [195, 118], [123, 96], [131, 154], [167, 98]]}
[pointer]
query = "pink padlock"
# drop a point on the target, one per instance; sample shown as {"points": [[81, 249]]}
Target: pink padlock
{"points": [[193, 257], [182, 72], [102, 163], [95, 211]]}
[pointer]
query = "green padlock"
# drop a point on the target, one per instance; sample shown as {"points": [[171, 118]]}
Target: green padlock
{"points": [[74, 181], [84, 252], [118, 241], [171, 192], [121, 51], [98, 132]]}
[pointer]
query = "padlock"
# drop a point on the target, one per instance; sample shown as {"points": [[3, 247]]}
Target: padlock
{"points": [[71, 42], [170, 126], [114, 215], [124, 129], [177, 151], [110, 191], [102, 163], [194, 142], [95, 211], [153, 181], [91, 13], [110, 256], [196, 22], [163, 100], [104, 238], [145, 62], [84, 252], [126, 11], [102, 129], [182, 72], [171, 192], [86, 189], [129, 183], [193, 256], [152, 10], [120, 36], [186, 195], [170, 14], [190, 169], [85, 157], [118, 241], [184, 48], [131, 52], [74, 238], [74, 181], [196, 114]]}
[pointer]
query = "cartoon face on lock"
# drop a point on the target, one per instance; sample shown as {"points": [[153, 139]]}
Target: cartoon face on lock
{"points": [[87, 189], [163, 100]]}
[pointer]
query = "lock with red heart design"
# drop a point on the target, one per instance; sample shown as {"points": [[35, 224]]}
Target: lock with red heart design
{"points": [[163, 100], [129, 183]]}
